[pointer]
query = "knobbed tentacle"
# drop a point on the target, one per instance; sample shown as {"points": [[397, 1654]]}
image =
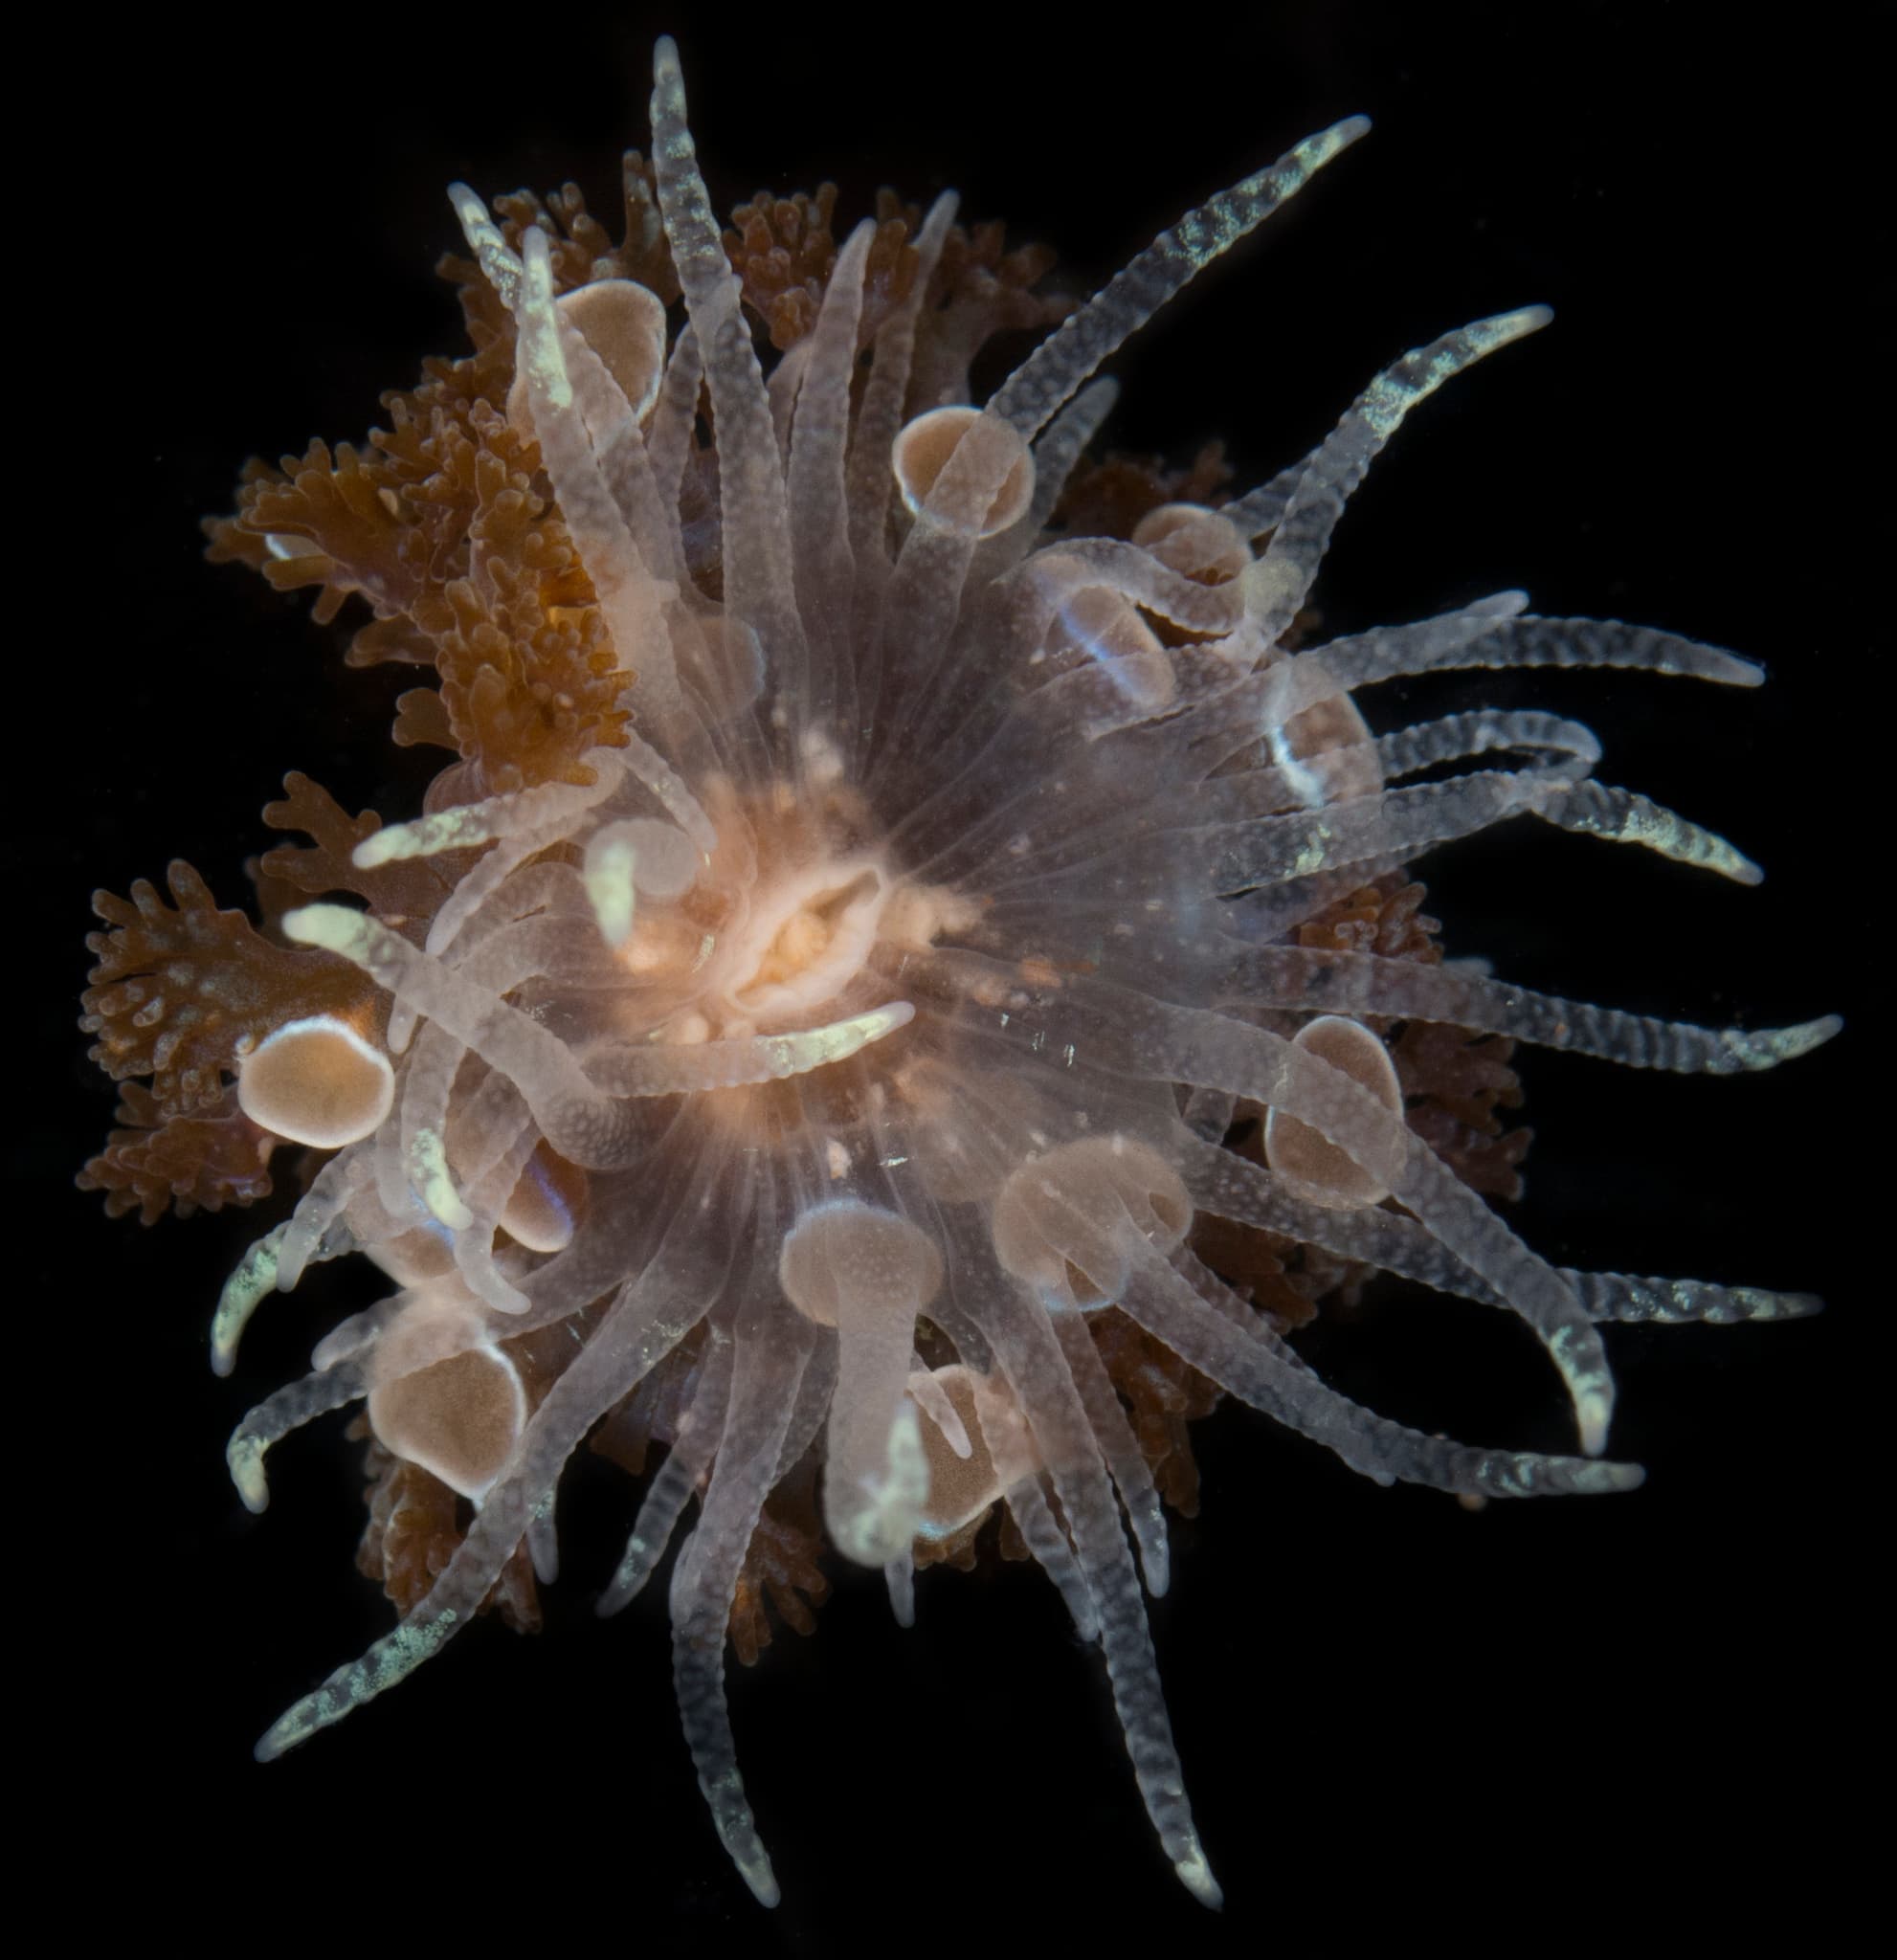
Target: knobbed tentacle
{"points": [[651, 1315]]}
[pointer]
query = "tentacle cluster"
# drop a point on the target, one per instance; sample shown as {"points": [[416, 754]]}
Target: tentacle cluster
{"points": [[833, 1049]]}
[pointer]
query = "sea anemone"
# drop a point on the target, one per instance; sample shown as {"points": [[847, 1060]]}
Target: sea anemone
{"points": [[895, 967]]}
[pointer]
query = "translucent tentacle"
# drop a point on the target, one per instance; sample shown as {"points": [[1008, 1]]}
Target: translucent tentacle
{"points": [[292, 1406], [1427, 744], [669, 437], [932, 1399], [1087, 336], [1060, 448], [1041, 1533], [759, 589], [1025, 1344], [629, 595], [819, 513], [478, 885], [900, 1574], [1126, 1031], [650, 1070], [1259, 1369], [1242, 849], [1125, 1463], [1362, 982], [782, 387], [319, 1212], [868, 475], [1680, 1303], [669, 789], [1278, 584], [254, 1277], [651, 1315], [704, 1580], [1234, 1187], [543, 1540], [471, 824], [1624, 816], [583, 1120], [1529, 640], [1262, 509], [674, 1482]]}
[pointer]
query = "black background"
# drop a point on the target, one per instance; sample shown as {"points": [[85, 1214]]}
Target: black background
{"points": [[1549, 1720]]}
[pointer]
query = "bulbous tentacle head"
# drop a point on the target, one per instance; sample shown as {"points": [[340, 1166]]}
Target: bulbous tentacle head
{"points": [[868, 1274], [1061, 1221], [624, 324], [316, 1081], [1304, 1157], [441, 1395], [998, 471]]}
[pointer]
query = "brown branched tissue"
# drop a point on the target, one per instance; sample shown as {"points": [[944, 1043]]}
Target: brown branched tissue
{"points": [[909, 987]]}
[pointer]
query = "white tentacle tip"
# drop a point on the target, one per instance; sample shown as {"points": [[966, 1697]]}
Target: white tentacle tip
{"points": [[283, 1735], [1594, 1410], [244, 1455], [1195, 1875], [757, 1874], [846, 1038], [332, 928]]}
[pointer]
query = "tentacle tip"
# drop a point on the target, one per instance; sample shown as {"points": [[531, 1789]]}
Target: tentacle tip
{"points": [[318, 924], [762, 1879], [1774, 1045], [223, 1360], [1351, 128], [277, 1740], [1594, 1410], [1195, 1875], [246, 1465]]}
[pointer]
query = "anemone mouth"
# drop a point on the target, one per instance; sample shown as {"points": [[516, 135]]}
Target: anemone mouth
{"points": [[809, 941]]}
